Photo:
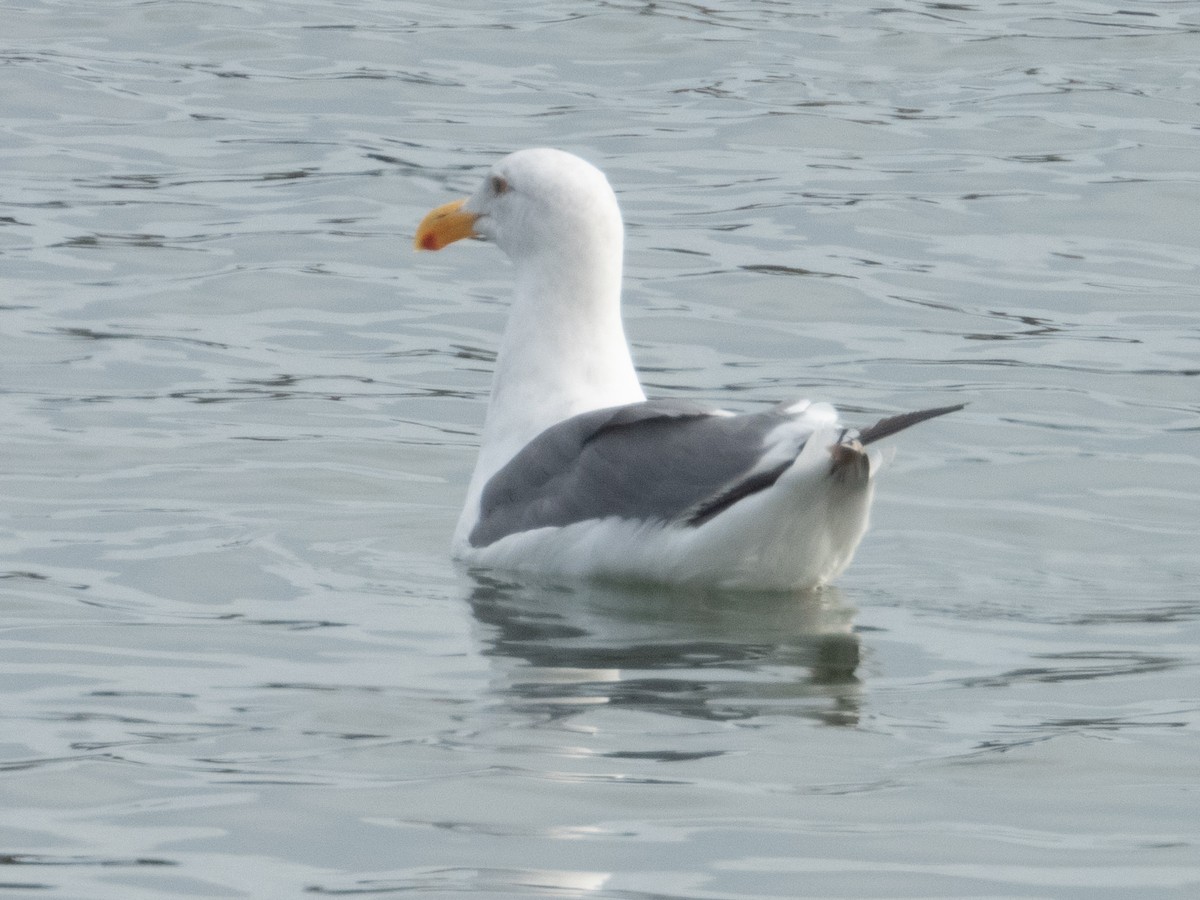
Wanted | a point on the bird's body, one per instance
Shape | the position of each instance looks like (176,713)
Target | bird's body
(578,474)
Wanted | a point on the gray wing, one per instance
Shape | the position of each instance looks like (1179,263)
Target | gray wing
(659,461)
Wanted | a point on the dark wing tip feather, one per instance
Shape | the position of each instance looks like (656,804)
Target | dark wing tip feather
(713,507)
(893,424)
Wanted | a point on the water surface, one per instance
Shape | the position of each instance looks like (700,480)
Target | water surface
(240,416)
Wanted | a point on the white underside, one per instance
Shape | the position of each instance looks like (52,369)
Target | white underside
(796,535)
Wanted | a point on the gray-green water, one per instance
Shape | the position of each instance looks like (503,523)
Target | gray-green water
(239,415)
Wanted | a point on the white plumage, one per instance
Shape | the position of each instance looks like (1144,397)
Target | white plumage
(579,475)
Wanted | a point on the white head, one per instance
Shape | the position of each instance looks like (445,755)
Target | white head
(533,202)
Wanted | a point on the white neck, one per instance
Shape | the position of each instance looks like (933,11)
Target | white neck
(563,352)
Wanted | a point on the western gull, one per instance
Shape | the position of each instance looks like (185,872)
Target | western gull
(580,475)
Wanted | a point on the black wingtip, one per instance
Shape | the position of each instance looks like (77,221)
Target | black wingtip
(889,426)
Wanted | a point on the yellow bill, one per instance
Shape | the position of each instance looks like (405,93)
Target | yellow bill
(445,225)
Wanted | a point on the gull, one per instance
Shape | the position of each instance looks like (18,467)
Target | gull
(580,475)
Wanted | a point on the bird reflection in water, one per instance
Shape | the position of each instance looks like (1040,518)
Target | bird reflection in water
(715,656)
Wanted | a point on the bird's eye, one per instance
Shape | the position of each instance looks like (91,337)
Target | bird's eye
(499,185)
